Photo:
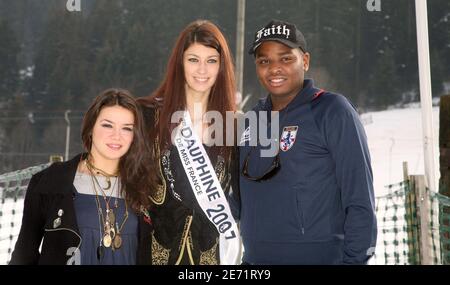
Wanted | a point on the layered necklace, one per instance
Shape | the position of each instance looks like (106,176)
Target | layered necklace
(111,234)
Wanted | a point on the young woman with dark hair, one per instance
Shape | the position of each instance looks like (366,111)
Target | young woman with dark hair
(189,226)
(90,210)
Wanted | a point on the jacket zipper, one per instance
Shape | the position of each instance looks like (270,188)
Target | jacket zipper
(301,215)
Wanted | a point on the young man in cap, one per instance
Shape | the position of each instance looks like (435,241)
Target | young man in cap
(313,202)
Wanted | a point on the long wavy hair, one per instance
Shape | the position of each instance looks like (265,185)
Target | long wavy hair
(135,167)
(172,88)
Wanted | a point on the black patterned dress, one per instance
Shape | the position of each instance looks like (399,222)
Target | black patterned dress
(182,234)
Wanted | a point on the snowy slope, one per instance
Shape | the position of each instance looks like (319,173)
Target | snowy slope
(395,136)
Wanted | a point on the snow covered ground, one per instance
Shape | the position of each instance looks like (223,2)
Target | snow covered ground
(395,136)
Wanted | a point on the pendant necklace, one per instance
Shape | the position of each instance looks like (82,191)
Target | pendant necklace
(111,230)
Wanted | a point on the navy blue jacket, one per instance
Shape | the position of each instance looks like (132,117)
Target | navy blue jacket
(319,207)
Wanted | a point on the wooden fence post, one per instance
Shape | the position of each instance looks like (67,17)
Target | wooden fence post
(444,145)
(411,229)
(444,159)
(423,214)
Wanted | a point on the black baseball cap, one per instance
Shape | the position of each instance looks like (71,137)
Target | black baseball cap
(280,31)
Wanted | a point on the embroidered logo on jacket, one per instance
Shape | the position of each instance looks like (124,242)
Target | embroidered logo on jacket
(288,138)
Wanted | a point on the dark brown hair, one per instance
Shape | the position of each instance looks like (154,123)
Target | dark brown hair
(172,89)
(135,167)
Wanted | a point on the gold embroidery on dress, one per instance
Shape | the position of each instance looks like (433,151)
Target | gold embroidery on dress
(156,117)
(159,196)
(190,248)
(209,257)
(184,237)
(160,254)
(220,169)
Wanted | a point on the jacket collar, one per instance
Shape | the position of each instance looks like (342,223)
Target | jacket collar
(71,166)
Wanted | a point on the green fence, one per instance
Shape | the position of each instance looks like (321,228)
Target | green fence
(397,241)
(413,225)
(442,228)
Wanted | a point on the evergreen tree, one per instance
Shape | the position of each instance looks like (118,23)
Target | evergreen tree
(438,75)
(9,69)
(439,29)
(382,91)
(62,68)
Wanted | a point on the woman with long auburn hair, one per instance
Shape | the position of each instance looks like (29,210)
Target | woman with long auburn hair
(196,201)
(92,209)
